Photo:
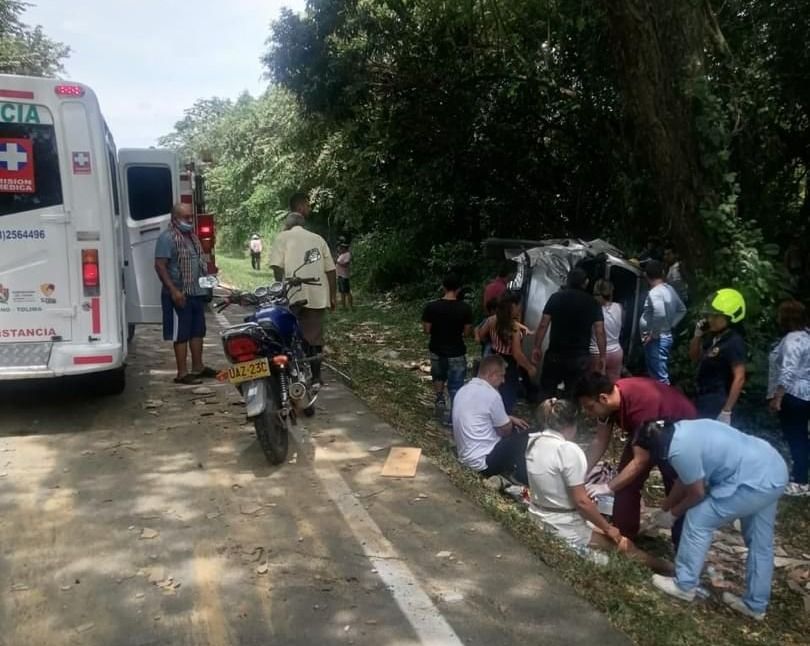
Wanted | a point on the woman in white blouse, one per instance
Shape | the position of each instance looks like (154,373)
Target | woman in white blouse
(557,468)
(789,388)
(613,315)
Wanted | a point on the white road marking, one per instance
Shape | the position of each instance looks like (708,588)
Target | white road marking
(413,601)
(426,620)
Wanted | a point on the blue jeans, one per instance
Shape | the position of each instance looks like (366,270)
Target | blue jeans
(449,370)
(656,354)
(757,513)
(510,388)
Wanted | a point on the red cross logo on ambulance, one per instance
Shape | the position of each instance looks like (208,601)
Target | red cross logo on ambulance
(81,163)
(16,166)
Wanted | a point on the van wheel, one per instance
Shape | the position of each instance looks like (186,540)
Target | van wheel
(112,382)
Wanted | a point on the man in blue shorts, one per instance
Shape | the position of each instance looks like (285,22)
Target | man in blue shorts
(179,263)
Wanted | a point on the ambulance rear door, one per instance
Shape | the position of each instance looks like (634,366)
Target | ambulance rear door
(149,188)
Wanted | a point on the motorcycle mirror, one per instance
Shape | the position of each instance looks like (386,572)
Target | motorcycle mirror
(311,256)
(208,282)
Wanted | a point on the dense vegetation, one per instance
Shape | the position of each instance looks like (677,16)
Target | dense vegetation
(424,127)
(24,49)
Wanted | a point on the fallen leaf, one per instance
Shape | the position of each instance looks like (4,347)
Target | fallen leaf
(444,554)
(156,575)
(85,627)
(202,390)
(149,533)
(19,587)
(262,569)
(250,509)
(780,562)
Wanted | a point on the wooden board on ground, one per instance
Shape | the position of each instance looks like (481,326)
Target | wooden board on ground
(402,462)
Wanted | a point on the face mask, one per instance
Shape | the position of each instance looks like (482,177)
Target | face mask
(185,227)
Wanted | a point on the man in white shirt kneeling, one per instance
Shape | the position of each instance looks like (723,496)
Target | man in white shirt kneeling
(488,440)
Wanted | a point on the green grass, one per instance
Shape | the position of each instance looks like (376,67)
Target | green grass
(236,271)
(381,347)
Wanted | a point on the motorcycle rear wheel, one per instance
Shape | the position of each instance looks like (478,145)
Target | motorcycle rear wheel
(272,433)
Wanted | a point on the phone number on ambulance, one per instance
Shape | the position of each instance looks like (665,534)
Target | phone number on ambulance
(7,235)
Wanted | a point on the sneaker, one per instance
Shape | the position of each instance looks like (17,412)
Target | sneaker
(667,584)
(439,410)
(497,483)
(735,603)
(796,489)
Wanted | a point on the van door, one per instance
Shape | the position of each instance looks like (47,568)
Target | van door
(149,188)
(36,305)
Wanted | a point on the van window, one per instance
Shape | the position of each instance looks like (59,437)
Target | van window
(47,186)
(150,191)
(114,177)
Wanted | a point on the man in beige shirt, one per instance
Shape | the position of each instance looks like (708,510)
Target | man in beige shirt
(286,256)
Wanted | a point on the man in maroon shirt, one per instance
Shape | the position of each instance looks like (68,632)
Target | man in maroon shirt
(495,289)
(629,403)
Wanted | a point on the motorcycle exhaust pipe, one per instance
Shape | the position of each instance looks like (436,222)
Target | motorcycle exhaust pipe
(297,391)
(298,395)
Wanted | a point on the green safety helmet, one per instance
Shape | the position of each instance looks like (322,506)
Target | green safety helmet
(726,302)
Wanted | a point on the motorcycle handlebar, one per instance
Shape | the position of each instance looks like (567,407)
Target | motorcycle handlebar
(295,281)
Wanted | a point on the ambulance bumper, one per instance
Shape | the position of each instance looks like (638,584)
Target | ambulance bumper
(47,359)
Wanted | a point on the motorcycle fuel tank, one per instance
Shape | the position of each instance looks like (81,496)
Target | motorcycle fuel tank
(282,319)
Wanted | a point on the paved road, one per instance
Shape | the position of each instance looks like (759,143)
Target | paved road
(153,518)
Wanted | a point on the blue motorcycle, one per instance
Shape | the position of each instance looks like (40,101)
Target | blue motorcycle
(269,364)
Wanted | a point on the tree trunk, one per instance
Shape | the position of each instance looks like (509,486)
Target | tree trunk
(659,50)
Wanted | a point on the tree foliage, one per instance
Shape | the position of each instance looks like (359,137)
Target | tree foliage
(427,126)
(27,50)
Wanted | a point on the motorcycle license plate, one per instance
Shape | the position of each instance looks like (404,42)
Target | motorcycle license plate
(249,370)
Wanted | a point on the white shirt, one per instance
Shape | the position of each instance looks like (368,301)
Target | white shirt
(477,411)
(288,252)
(612,314)
(663,310)
(553,465)
(789,365)
(678,282)
(256,245)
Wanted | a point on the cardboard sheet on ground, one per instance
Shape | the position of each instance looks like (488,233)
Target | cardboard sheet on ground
(402,462)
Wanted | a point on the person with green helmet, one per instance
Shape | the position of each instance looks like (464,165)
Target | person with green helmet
(718,347)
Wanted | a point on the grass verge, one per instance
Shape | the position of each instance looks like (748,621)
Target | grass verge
(380,346)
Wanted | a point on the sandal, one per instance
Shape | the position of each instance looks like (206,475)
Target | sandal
(206,373)
(188,380)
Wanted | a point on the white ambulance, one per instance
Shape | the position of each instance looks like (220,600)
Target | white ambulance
(78,225)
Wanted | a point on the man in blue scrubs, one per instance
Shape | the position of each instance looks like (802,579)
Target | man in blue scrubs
(723,475)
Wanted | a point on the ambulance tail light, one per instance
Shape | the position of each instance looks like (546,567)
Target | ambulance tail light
(205,226)
(90,272)
(69,90)
(186,199)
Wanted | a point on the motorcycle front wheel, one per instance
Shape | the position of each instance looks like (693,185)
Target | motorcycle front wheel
(271,430)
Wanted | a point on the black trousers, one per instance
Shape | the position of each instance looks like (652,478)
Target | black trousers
(255,260)
(558,368)
(793,418)
(509,457)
